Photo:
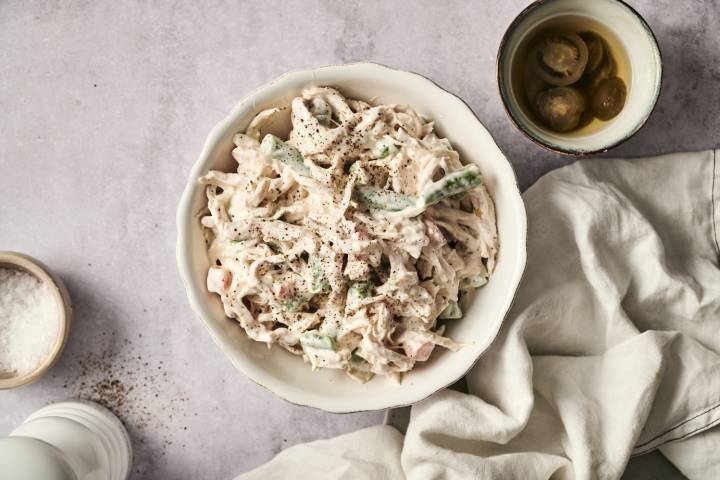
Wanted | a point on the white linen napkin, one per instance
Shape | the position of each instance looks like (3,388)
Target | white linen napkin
(611,349)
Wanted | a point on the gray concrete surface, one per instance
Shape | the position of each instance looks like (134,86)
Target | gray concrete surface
(105,106)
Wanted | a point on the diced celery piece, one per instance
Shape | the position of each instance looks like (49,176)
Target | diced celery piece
(384,147)
(452,311)
(313,339)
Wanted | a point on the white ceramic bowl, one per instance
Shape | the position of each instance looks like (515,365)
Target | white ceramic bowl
(645,72)
(333,390)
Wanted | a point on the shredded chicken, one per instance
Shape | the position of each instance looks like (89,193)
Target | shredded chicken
(351,242)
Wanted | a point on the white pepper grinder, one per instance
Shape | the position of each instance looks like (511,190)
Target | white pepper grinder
(75,440)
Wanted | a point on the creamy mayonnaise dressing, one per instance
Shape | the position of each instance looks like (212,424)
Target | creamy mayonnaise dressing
(348,242)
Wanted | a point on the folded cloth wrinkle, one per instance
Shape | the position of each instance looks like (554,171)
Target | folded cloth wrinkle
(611,348)
(369,454)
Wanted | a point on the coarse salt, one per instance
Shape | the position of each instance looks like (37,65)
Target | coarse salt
(29,321)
